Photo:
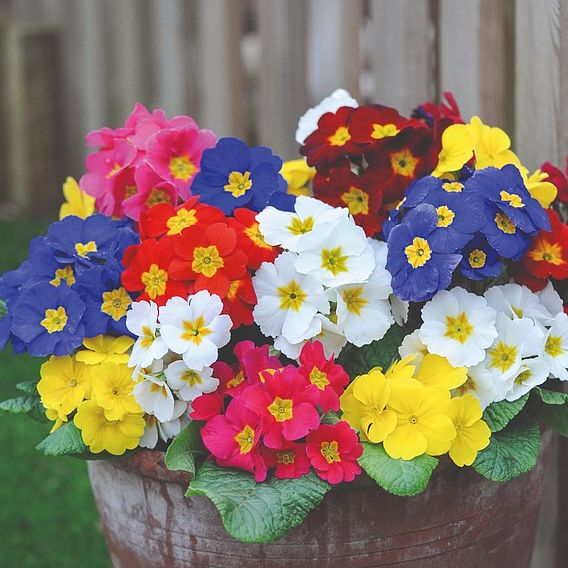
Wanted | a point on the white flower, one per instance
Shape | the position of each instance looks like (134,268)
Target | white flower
(555,347)
(302,228)
(551,300)
(188,383)
(399,309)
(411,345)
(481,384)
(287,300)
(195,328)
(459,326)
(308,123)
(363,310)
(330,336)
(141,320)
(155,397)
(533,372)
(342,257)
(516,301)
(165,430)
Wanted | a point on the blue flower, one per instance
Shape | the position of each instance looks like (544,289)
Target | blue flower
(479,260)
(105,299)
(418,267)
(233,175)
(48,319)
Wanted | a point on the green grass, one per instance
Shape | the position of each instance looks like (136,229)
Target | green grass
(47,512)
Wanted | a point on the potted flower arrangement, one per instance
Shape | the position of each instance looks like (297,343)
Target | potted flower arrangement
(348,353)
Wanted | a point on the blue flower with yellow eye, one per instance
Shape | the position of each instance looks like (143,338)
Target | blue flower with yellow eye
(479,260)
(418,266)
(233,175)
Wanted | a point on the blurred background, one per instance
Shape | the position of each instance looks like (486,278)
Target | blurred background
(246,68)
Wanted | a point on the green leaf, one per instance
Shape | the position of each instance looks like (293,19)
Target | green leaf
(555,416)
(551,397)
(258,512)
(66,440)
(511,452)
(499,414)
(23,405)
(330,417)
(3,308)
(29,387)
(401,477)
(360,360)
(180,454)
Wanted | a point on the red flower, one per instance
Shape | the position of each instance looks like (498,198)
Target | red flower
(207,406)
(558,178)
(362,195)
(240,301)
(166,219)
(286,405)
(521,276)
(250,238)
(445,110)
(333,451)
(548,253)
(148,271)
(209,255)
(331,141)
(233,439)
(290,461)
(329,378)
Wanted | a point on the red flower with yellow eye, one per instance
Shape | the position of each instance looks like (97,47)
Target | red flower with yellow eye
(331,141)
(558,178)
(148,271)
(208,255)
(240,301)
(290,461)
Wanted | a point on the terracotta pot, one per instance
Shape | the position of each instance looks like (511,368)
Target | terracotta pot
(461,520)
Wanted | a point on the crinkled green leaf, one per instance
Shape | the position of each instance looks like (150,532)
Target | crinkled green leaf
(401,477)
(499,414)
(551,397)
(511,452)
(23,405)
(66,440)
(180,455)
(555,416)
(258,512)
(29,387)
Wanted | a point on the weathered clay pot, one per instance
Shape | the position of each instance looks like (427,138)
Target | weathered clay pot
(461,520)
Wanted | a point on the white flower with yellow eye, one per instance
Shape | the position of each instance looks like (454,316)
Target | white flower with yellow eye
(555,347)
(194,328)
(142,321)
(310,222)
(342,257)
(164,430)
(412,345)
(481,384)
(187,383)
(152,393)
(551,300)
(532,372)
(458,325)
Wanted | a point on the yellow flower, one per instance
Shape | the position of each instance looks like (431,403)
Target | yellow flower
(113,390)
(543,191)
(436,371)
(56,417)
(403,369)
(472,433)
(64,384)
(457,149)
(100,433)
(422,423)
(105,349)
(491,145)
(298,175)
(77,202)
(364,406)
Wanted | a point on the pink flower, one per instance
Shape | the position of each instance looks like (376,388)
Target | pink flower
(253,360)
(290,461)
(175,154)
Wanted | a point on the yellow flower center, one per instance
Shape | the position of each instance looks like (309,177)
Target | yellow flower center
(333,260)
(299,227)
(115,303)
(505,224)
(207,260)
(354,300)
(503,356)
(73,382)
(64,274)
(54,320)
(233,289)
(195,331)
(418,253)
(130,191)
(458,327)
(413,419)
(356,200)
(157,196)
(519,312)
(181,167)
(239,183)
(452,186)
(403,163)
(553,346)
(523,377)
(254,234)
(445,216)
(384,131)
(281,409)
(477,258)
(340,137)
(245,440)
(319,378)
(155,281)
(147,337)
(183,219)
(192,378)
(330,451)
(114,171)
(546,251)
(236,380)
(287,457)
(512,199)
(83,249)
(291,296)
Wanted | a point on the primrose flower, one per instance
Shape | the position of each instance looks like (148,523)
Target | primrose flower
(298,175)
(290,461)
(113,390)
(436,371)
(153,393)
(556,347)
(77,202)
(458,325)
(412,346)
(156,430)
(491,145)
(105,349)
(188,383)
(531,373)
(142,321)
(479,260)
(457,149)
(482,385)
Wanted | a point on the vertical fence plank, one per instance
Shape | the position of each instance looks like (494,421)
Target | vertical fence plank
(283,96)
(333,47)
(403,52)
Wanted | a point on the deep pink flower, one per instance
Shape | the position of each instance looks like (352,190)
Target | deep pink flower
(290,461)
